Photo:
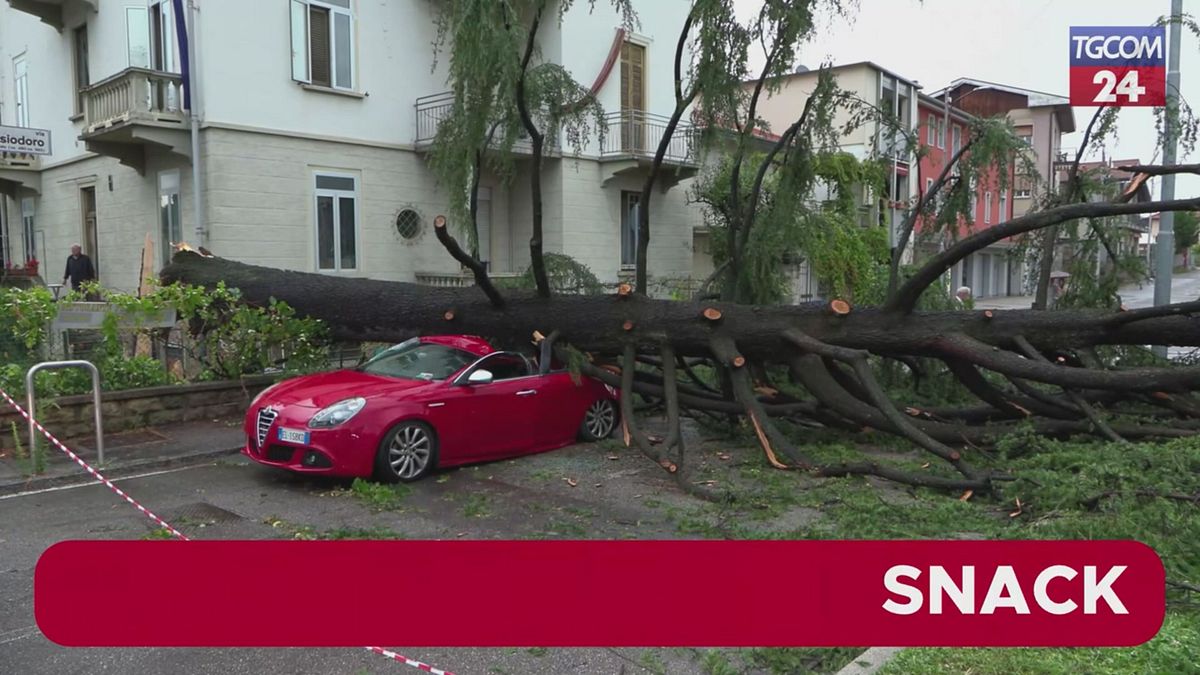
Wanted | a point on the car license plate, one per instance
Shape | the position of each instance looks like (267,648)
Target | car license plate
(293,436)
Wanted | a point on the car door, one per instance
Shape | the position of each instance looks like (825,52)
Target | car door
(492,419)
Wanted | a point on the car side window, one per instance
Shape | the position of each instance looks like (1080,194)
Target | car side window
(505,366)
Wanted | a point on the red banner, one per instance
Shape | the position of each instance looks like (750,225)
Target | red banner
(599,593)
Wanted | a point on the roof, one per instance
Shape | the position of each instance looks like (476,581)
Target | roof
(468,343)
(1033,99)
(846,66)
(1037,99)
(931,102)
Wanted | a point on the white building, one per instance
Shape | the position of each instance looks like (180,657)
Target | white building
(315,119)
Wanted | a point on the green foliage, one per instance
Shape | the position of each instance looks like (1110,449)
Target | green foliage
(1186,230)
(230,338)
(485,42)
(1173,650)
(378,496)
(565,274)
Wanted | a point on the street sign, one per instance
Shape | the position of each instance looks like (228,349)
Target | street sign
(23,141)
(1118,66)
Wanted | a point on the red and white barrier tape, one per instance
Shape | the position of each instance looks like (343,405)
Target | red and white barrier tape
(162,523)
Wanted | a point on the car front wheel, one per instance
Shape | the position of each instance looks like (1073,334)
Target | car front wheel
(599,420)
(408,452)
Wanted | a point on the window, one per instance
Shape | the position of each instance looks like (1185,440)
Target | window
(633,97)
(170,225)
(1026,135)
(337,222)
(974,190)
(931,137)
(956,137)
(1003,207)
(137,36)
(987,206)
(27,232)
(323,43)
(81,66)
(928,185)
(21,81)
(162,38)
(630,205)
(941,136)
(502,366)
(1022,187)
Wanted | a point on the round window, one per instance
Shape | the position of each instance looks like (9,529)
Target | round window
(408,224)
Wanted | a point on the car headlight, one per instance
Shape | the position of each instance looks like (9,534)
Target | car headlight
(336,414)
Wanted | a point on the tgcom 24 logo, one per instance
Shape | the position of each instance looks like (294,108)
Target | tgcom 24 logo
(1118,66)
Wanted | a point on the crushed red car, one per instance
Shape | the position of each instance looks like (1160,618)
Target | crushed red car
(429,402)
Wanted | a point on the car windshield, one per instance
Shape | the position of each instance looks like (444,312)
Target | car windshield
(416,360)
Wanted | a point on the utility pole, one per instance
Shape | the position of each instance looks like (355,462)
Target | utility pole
(1165,243)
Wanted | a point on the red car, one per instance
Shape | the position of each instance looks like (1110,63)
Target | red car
(425,403)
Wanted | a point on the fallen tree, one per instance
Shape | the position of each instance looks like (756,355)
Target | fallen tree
(827,347)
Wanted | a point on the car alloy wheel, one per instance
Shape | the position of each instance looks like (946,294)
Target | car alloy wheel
(409,452)
(600,419)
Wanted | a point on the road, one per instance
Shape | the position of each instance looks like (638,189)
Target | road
(1184,287)
(232,499)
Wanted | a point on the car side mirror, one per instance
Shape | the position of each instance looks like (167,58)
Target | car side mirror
(480,376)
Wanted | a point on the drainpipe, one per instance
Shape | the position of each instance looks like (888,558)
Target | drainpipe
(201,232)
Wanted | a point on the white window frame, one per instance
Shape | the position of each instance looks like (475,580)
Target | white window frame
(177,191)
(956,138)
(931,136)
(1003,206)
(301,56)
(28,223)
(166,34)
(941,135)
(337,222)
(987,207)
(21,89)
(625,196)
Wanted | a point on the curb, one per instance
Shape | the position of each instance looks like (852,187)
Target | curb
(114,471)
(870,661)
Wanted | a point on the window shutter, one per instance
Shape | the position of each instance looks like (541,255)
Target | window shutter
(625,103)
(299,41)
(318,35)
(637,98)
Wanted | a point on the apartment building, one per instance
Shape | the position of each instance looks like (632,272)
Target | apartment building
(996,270)
(874,85)
(315,119)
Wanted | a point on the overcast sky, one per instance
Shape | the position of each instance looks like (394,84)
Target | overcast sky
(1017,42)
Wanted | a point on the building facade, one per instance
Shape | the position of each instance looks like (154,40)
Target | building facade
(996,270)
(315,120)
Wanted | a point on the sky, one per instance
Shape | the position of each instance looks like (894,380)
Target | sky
(1017,42)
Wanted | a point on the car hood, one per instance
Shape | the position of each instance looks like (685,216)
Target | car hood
(324,389)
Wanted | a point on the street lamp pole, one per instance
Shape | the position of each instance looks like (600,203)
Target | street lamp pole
(1165,243)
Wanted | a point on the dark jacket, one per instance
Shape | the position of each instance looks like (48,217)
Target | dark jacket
(79,270)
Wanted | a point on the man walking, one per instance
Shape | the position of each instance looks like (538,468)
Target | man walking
(79,268)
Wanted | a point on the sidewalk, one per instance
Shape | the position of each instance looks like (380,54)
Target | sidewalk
(1185,286)
(124,453)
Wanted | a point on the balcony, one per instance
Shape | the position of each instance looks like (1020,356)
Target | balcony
(631,141)
(51,12)
(432,110)
(461,279)
(136,112)
(19,172)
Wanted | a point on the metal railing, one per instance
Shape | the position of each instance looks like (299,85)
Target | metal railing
(30,400)
(638,133)
(432,110)
(134,95)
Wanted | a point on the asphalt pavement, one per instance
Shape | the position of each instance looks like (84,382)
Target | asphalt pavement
(1185,286)
(234,499)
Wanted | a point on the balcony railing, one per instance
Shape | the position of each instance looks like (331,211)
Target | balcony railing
(637,133)
(134,95)
(431,112)
(457,279)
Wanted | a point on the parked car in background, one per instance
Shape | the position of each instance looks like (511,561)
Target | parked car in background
(428,402)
